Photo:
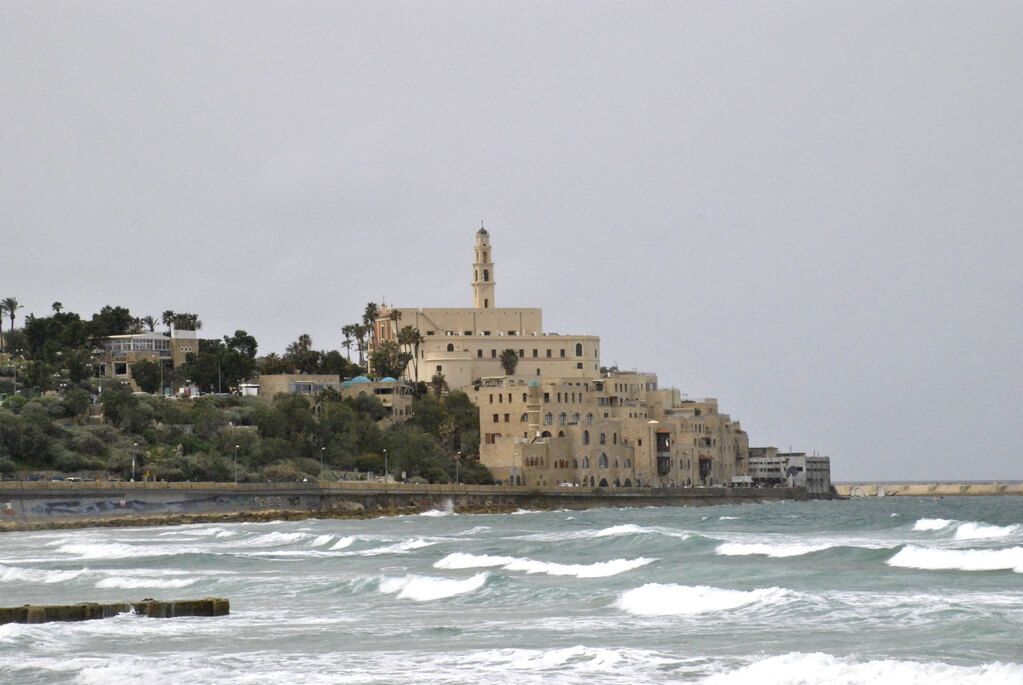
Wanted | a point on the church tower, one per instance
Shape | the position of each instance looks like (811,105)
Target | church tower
(483,272)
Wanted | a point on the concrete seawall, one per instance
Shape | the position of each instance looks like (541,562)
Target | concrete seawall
(40,505)
(928,489)
(89,611)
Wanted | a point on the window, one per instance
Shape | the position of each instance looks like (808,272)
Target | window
(440,369)
(497,418)
(491,399)
(586,437)
(507,418)
(586,462)
(525,397)
(493,354)
(524,418)
(548,419)
(579,350)
(603,460)
(603,439)
(486,276)
(479,354)
(589,419)
(546,397)
(534,353)
(562,352)
(548,353)
(575,463)
(628,463)
(451,347)
(562,418)
(614,438)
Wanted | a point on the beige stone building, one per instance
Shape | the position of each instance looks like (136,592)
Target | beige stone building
(561,418)
(118,353)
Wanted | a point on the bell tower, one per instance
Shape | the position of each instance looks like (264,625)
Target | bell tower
(483,272)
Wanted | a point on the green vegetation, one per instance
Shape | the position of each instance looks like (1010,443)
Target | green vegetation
(57,416)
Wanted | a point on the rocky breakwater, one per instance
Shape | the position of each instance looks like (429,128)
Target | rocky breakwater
(153,608)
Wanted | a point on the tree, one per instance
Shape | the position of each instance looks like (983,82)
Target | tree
(509,360)
(148,375)
(149,322)
(387,359)
(438,384)
(111,321)
(168,318)
(347,344)
(10,306)
(57,306)
(411,338)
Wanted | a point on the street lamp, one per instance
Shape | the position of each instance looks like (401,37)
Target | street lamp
(386,469)
(134,453)
(322,450)
(458,462)
(236,464)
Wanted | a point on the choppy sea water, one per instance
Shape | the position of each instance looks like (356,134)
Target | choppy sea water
(865,591)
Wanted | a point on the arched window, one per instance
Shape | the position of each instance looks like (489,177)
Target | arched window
(591,481)
(586,437)
(586,462)
(603,438)
(575,418)
(578,349)
(628,483)
(486,275)
(614,438)
(524,418)
(451,347)
(562,417)
(603,461)
(603,482)
(628,463)
(561,434)
(589,419)
(575,463)
(617,483)
(548,419)
(545,434)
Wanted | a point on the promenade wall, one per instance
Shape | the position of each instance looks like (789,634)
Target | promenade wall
(32,503)
(927,489)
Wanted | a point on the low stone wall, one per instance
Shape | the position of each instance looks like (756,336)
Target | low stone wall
(928,489)
(37,504)
(153,608)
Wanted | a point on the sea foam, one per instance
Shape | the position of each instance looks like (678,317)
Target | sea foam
(600,569)
(736,549)
(811,669)
(931,559)
(931,524)
(10,574)
(427,588)
(983,531)
(657,599)
(132,583)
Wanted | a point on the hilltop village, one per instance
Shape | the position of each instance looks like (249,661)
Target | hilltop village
(475,394)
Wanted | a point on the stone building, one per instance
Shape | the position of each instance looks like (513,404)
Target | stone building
(117,354)
(560,417)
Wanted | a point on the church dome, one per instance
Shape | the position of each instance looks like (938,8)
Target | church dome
(360,379)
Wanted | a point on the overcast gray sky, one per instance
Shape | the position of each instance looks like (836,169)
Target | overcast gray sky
(809,210)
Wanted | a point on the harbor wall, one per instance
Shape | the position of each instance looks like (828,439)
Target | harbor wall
(927,489)
(32,503)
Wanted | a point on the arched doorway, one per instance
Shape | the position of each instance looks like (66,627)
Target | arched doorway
(603,482)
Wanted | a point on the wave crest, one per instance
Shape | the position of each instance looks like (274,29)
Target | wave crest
(600,569)
(427,588)
(657,599)
(736,549)
(931,559)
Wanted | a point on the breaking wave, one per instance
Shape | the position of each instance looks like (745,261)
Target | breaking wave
(343,542)
(427,588)
(737,549)
(930,559)
(811,669)
(11,574)
(600,569)
(932,524)
(983,531)
(132,583)
(657,599)
(397,548)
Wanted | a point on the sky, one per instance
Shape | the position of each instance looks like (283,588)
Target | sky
(810,211)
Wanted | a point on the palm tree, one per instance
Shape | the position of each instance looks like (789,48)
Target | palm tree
(11,306)
(509,360)
(57,306)
(3,310)
(347,344)
(411,338)
(168,318)
(149,322)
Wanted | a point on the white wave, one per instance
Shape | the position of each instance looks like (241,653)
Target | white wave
(132,583)
(199,532)
(932,524)
(579,658)
(656,599)
(600,569)
(321,540)
(728,518)
(11,574)
(343,542)
(111,550)
(275,539)
(427,588)
(983,531)
(811,669)
(736,549)
(892,515)
(930,559)
(436,512)
(397,548)
(626,529)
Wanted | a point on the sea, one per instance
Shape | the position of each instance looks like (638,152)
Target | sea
(881,590)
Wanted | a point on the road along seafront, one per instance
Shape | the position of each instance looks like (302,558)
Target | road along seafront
(39,505)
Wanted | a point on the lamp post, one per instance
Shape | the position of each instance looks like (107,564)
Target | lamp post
(386,469)
(653,448)
(458,462)
(236,464)
(134,453)
(322,450)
